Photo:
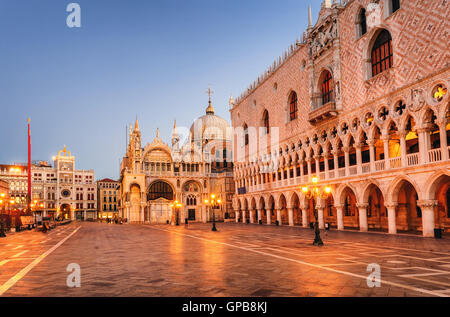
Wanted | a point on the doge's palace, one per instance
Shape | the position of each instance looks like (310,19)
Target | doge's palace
(361,101)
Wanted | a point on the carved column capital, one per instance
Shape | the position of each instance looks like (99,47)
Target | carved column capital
(371,142)
(384,137)
(429,203)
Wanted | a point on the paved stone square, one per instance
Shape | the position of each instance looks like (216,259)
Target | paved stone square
(238,260)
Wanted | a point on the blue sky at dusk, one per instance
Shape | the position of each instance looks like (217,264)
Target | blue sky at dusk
(153,59)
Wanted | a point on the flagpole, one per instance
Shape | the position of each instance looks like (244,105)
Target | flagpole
(29,170)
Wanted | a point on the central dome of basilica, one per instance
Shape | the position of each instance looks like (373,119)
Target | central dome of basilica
(210,127)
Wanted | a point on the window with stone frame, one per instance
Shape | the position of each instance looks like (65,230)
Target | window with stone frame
(293,107)
(245,134)
(266,122)
(362,23)
(382,54)
(394,5)
(327,87)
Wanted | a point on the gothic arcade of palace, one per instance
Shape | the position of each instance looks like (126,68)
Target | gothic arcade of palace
(362,102)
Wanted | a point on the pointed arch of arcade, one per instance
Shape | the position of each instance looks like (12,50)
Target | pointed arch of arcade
(253,215)
(403,194)
(282,207)
(308,206)
(377,215)
(245,210)
(329,211)
(438,190)
(346,197)
(238,209)
(262,207)
(294,203)
(271,214)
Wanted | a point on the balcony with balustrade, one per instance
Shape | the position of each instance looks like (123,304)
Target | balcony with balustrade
(322,109)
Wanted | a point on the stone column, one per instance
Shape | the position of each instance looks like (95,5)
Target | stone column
(385,139)
(259,215)
(391,218)
(236,213)
(279,216)
(301,169)
(358,159)
(371,143)
(336,163)
(291,216)
(308,161)
(320,217)
(346,150)
(424,144)
(340,217)
(428,223)
(402,136)
(244,215)
(205,213)
(362,208)
(268,214)
(142,215)
(304,217)
(325,160)
(316,157)
(182,215)
(252,212)
(443,136)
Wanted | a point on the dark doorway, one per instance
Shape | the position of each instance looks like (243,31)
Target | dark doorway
(191,214)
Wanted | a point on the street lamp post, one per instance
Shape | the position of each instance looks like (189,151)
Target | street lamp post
(177,206)
(36,204)
(314,193)
(2,222)
(213,203)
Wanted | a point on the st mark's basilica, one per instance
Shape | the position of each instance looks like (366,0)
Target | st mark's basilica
(156,176)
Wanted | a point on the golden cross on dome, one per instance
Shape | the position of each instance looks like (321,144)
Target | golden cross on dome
(210,92)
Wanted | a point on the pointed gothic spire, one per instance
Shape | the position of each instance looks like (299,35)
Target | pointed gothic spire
(231,101)
(136,124)
(157,133)
(174,131)
(309,17)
